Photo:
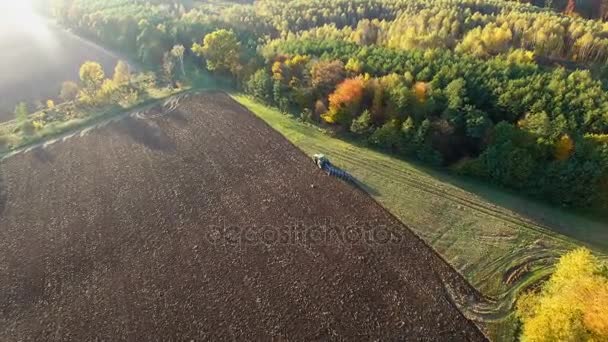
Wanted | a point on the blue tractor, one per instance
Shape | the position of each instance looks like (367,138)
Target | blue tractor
(324,164)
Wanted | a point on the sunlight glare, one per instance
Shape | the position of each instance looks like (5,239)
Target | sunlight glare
(19,11)
(20,16)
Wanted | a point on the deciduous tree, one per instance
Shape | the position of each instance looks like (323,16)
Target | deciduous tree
(564,147)
(344,102)
(221,49)
(178,53)
(122,73)
(91,76)
(571,306)
(326,75)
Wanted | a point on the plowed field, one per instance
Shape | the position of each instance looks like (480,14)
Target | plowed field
(206,224)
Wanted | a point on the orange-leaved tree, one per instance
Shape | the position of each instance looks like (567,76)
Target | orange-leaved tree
(345,101)
(564,148)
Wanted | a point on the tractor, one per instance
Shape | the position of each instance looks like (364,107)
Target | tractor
(324,164)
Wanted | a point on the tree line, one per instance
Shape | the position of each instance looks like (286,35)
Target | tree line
(405,76)
(93,93)
(503,119)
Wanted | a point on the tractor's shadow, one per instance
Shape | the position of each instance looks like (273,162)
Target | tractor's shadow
(371,191)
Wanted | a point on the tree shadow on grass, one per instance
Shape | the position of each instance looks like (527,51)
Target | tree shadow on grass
(589,227)
(146,133)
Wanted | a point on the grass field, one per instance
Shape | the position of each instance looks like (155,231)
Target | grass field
(499,241)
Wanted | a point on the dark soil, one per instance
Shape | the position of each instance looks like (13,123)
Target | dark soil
(205,224)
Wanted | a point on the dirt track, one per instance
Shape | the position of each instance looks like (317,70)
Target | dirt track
(205,224)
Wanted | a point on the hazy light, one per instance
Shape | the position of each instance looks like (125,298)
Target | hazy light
(18,16)
(18,11)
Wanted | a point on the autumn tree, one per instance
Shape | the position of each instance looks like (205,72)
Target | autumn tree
(122,73)
(178,52)
(564,148)
(489,40)
(353,67)
(108,92)
(221,49)
(325,75)
(344,102)
(91,76)
(291,71)
(571,306)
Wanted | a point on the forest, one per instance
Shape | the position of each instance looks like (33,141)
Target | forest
(508,92)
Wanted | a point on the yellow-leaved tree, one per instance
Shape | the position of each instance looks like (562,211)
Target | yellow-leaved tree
(572,305)
(564,148)
(91,76)
(222,51)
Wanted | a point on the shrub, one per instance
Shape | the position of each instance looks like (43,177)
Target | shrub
(388,136)
(259,85)
(21,112)
(363,124)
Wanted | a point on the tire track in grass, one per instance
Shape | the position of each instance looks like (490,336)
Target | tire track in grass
(499,218)
(497,306)
(434,190)
(397,177)
(438,190)
(419,178)
(470,307)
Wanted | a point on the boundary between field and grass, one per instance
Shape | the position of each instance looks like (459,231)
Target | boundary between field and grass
(492,247)
(496,249)
(460,303)
(69,128)
(85,125)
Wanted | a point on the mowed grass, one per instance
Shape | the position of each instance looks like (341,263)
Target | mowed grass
(499,241)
